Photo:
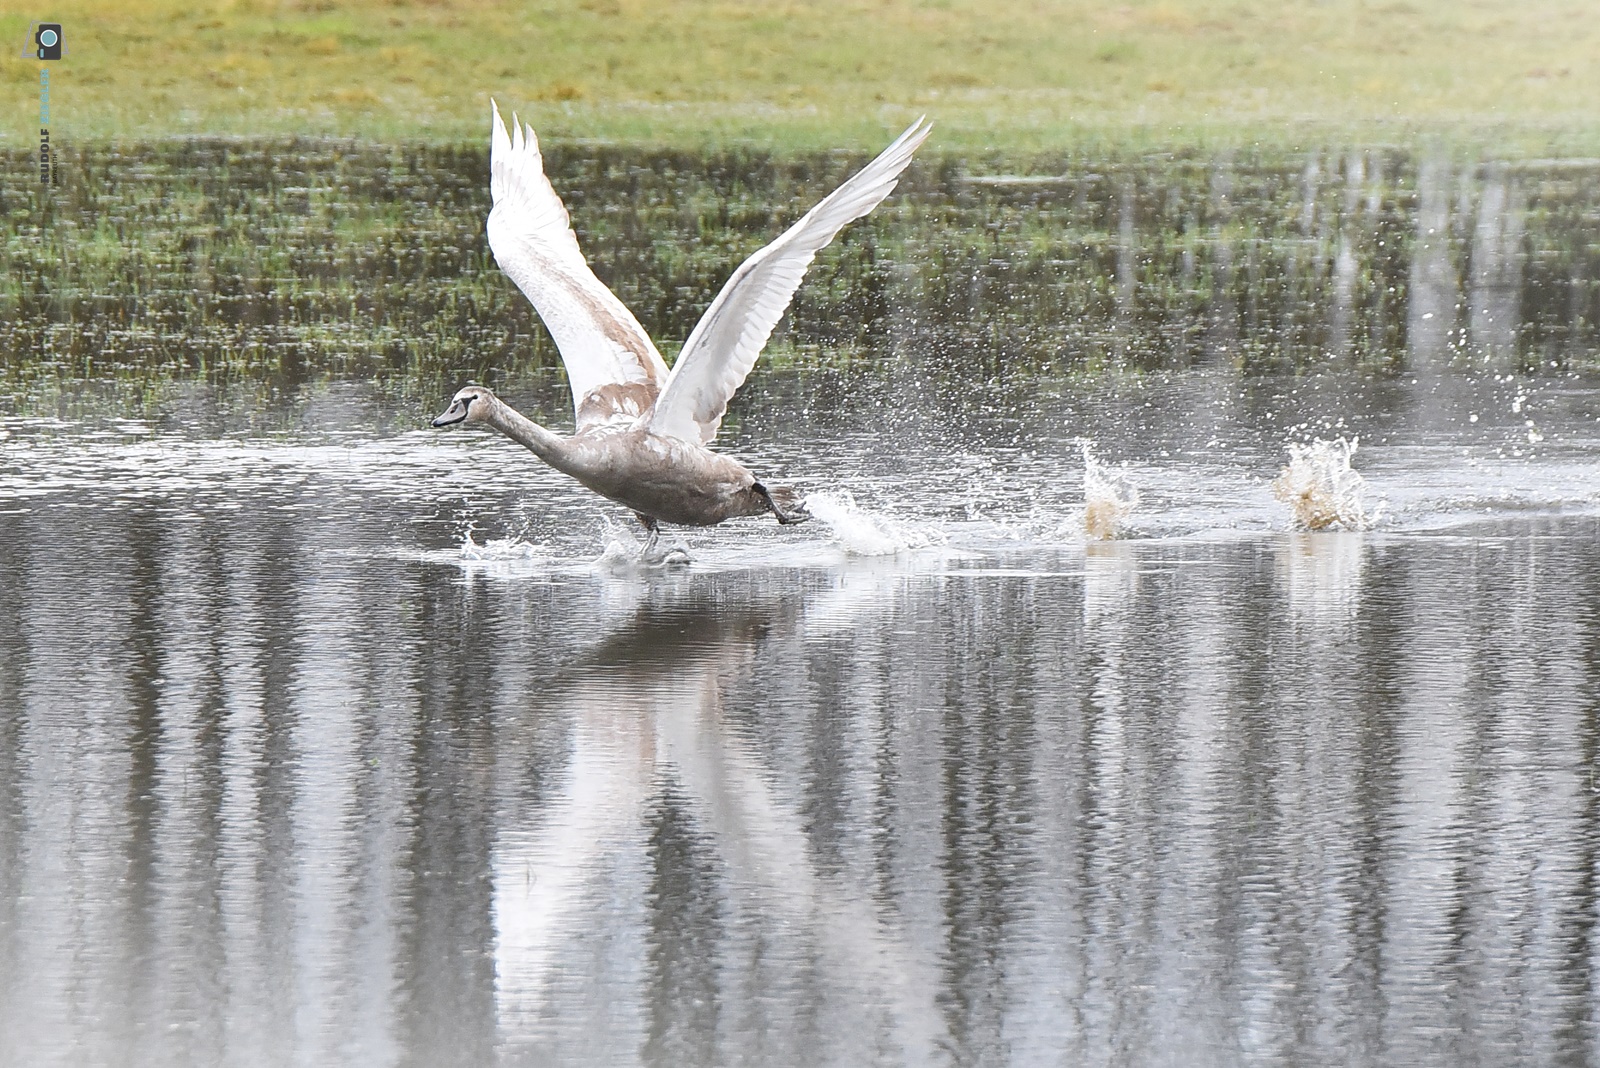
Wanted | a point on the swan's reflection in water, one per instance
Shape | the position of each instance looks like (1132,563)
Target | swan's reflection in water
(664,886)
(1147,802)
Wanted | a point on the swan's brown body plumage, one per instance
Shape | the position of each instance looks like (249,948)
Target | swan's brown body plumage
(666,479)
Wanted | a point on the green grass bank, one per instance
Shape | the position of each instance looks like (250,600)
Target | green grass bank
(1010,76)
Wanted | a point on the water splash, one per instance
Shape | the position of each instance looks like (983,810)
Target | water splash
(861,533)
(629,558)
(1108,497)
(1320,487)
(508,558)
(495,549)
(624,551)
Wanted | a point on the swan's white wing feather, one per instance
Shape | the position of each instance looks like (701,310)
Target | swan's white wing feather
(614,369)
(733,331)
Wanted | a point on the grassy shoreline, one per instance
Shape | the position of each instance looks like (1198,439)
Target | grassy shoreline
(1003,76)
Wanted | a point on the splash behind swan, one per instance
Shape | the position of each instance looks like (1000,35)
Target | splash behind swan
(1321,488)
(642,431)
(1108,497)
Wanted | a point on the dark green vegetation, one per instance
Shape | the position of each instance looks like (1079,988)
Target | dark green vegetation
(292,260)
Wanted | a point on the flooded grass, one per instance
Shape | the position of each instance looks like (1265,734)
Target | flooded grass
(282,261)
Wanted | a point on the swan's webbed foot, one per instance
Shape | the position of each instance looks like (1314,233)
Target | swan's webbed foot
(653,527)
(652,556)
(795,513)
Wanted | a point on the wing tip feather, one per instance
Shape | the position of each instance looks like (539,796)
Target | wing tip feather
(497,132)
(683,405)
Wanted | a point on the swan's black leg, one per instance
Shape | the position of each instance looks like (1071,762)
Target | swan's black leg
(653,527)
(786,518)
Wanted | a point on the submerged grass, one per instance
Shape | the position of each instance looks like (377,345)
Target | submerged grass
(282,261)
(278,190)
(1012,75)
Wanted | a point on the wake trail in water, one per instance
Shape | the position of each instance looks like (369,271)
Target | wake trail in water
(495,549)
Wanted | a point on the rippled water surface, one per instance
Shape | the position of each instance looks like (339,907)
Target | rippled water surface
(328,739)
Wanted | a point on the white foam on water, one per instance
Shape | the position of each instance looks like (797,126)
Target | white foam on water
(495,558)
(624,553)
(628,558)
(1109,497)
(515,557)
(1320,487)
(863,533)
(493,549)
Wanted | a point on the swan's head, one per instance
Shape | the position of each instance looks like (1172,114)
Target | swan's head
(467,406)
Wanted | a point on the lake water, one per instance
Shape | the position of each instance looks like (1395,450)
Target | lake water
(326,738)
(351,742)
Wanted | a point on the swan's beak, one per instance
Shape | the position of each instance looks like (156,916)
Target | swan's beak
(453,414)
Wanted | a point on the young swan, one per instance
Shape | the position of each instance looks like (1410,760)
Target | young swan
(642,431)
(663,479)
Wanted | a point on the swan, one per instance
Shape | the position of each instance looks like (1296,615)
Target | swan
(642,432)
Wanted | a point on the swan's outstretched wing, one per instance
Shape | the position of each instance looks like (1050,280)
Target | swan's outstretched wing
(614,369)
(731,334)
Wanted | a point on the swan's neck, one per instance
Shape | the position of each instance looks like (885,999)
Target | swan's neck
(548,446)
